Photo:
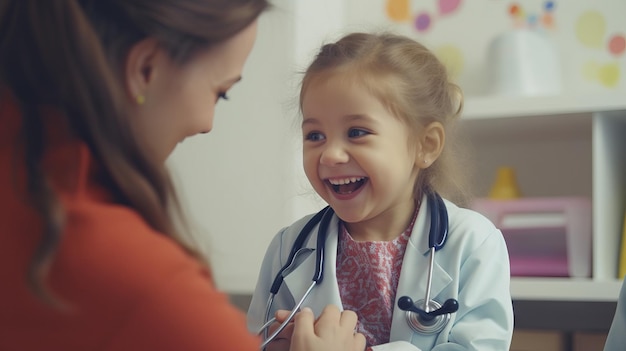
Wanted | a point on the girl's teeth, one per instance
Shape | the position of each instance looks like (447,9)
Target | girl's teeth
(345,181)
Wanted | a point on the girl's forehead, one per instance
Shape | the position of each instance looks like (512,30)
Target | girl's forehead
(355,82)
(338,91)
(340,95)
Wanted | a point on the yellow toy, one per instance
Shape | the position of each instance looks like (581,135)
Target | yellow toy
(505,187)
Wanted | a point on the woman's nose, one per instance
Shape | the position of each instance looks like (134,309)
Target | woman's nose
(333,154)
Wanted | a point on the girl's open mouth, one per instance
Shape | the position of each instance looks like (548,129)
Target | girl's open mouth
(347,185)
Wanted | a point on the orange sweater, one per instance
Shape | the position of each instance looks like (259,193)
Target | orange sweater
(129,287)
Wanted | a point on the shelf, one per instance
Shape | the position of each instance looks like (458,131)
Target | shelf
(564,289)
(559,146)
(497,107)
(530,119)
(531,128)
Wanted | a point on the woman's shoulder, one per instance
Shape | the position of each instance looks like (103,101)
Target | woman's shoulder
(164,298)
(139,287)
(112,248)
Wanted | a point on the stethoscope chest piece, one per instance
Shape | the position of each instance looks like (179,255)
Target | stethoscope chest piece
(423,326)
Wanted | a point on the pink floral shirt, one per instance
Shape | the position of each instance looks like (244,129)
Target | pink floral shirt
(368,274)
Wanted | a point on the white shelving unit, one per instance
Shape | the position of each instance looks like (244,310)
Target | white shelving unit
(565,289)
(559,146)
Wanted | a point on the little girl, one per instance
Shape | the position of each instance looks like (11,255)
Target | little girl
(376,111)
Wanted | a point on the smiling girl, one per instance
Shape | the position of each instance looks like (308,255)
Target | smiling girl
(376,111)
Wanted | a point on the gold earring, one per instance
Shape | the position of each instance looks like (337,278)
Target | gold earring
(140,99)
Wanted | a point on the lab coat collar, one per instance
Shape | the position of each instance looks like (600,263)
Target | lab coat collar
(299,280)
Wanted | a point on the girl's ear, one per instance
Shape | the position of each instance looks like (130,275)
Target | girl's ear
(432,140)
(141,68)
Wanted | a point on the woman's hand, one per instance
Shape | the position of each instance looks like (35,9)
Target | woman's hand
(283,340)
(334,330)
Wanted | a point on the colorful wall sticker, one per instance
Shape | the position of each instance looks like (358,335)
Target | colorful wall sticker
(591,32)
(400,11)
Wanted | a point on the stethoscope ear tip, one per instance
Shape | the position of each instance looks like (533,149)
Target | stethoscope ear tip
(450,306)
(405,303)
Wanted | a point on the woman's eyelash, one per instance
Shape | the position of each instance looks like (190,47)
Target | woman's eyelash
(222,95)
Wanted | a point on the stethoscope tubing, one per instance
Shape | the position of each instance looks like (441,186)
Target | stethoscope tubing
(283,325)
(323,218)
(429,283)
(269,320)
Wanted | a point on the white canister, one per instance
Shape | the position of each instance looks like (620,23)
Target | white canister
(523,62)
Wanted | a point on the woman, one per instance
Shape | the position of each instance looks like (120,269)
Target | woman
(94,97)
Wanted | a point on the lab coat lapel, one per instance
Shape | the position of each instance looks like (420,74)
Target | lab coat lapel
(414,274)
(300,279)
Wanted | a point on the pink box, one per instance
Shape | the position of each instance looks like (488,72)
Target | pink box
(546,237)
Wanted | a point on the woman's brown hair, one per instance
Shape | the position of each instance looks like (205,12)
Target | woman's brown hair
(69,54)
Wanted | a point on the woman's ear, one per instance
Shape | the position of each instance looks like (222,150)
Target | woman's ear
(432,140)
(140,68)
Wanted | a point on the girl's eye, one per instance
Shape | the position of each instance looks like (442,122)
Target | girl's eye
(314,136)
(222,95)
(355,133)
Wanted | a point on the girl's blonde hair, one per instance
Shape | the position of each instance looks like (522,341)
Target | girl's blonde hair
(412,84)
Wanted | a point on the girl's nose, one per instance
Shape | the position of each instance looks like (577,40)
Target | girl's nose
(333,154)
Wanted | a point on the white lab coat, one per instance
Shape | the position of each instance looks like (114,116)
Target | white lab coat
(472,267)
(616,340)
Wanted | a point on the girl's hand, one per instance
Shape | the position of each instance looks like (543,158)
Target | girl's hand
(334,330)
(283,340)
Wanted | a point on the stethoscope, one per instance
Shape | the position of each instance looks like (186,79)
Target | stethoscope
(429,318)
